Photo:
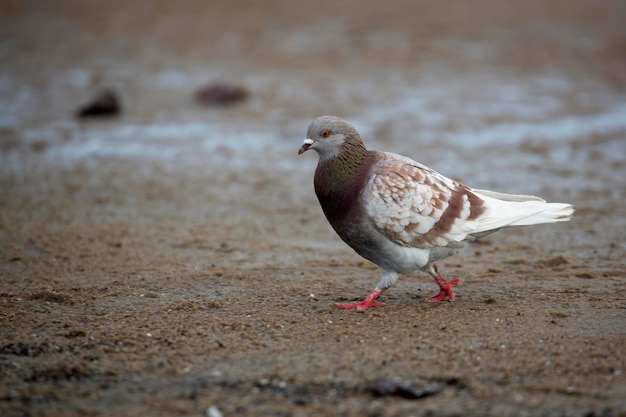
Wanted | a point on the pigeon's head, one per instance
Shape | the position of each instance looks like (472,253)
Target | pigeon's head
(328,134)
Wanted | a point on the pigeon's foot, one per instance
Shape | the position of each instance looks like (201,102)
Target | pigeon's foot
(445,289)
(370,301)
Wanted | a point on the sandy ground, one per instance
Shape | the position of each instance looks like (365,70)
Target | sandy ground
(175,258)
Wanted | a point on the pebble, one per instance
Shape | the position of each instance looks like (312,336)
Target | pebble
(213,411)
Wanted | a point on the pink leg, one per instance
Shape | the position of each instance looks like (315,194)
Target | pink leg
(445,289)
(365,304)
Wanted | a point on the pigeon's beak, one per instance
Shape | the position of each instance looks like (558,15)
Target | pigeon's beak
(305,146)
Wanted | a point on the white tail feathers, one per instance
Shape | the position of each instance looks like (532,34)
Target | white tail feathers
(554,212)
(505,210)
(508,197)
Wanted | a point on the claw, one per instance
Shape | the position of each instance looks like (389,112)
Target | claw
(365,304)
(445,289)
(361,305)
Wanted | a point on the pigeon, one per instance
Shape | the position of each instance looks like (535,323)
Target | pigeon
(402,215)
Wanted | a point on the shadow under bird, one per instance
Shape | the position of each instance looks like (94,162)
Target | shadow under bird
(402,215)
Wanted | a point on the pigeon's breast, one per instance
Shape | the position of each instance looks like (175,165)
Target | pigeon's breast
(339,189)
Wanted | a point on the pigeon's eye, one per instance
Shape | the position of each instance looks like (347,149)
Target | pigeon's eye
(325,133)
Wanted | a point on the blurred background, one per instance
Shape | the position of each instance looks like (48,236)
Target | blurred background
(409,74)
(162,249)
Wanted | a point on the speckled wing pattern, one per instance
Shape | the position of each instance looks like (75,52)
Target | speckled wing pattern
(415,206)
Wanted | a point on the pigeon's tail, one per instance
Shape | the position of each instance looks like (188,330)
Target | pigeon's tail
(505,210)
(554,212)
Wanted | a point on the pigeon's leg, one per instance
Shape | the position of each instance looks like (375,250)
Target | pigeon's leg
(365,304)
(445,287)
(385,282)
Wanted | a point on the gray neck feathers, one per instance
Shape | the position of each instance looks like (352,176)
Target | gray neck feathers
(340,170)
(339,180)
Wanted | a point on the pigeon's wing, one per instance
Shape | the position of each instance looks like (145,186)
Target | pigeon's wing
(416,206)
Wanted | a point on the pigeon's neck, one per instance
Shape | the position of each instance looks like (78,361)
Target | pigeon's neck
(339,180)
(338,171)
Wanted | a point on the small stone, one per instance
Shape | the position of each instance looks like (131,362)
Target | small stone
(213,411)
(220,94)
(553,262)
(105,104)
(402,389)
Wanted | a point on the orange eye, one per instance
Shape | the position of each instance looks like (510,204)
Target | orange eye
(326,133)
